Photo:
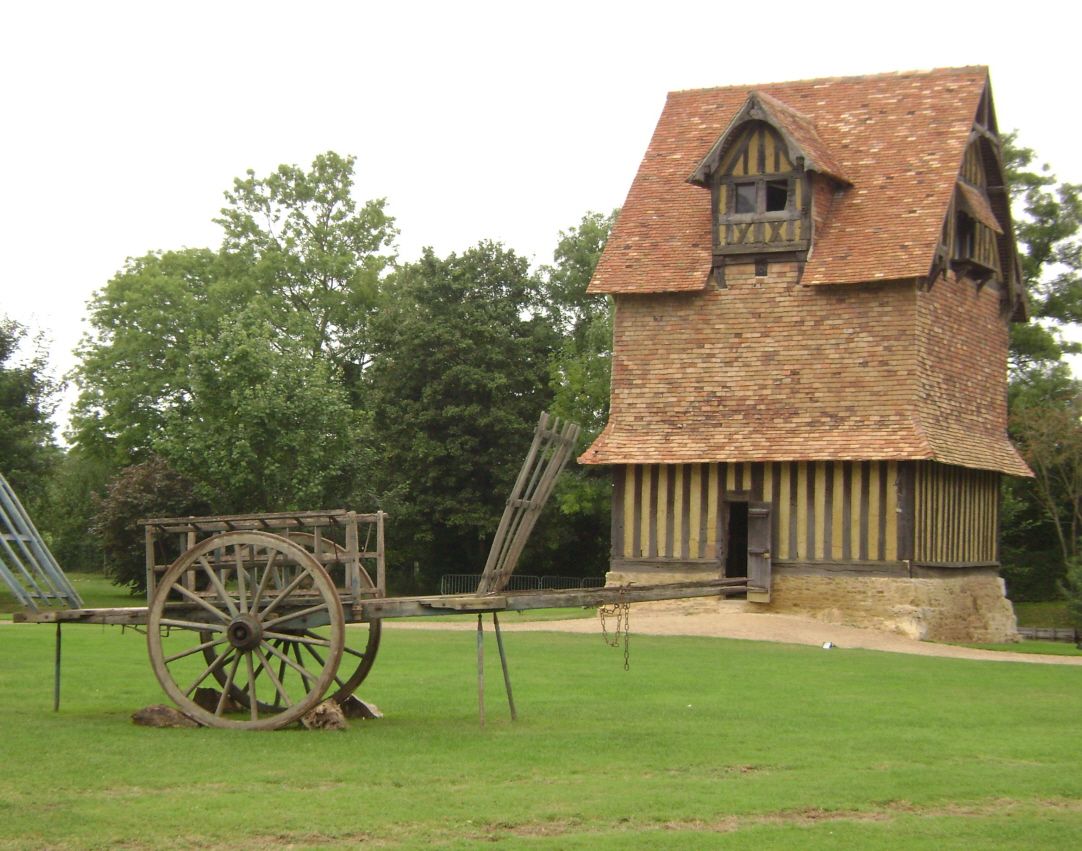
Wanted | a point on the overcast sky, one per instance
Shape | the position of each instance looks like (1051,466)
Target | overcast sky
(123,123)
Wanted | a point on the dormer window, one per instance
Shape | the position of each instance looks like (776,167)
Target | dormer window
(758,176)
(975,242)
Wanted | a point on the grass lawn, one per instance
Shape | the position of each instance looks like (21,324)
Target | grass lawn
(704,743)
(1048,613)
(1047,648)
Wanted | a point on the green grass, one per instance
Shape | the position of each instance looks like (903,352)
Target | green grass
(1047,648)
(704,743)
(1048,613)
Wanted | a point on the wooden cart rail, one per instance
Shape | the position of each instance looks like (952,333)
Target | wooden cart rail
(365,611)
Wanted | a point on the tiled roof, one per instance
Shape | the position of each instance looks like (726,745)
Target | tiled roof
(898,138)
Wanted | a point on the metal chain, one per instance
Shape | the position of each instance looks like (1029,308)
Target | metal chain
(621,609)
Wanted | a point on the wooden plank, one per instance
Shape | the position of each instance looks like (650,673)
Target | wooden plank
(407,607)
(661,491)
(873,551)
(672,542)
(855,515)
(695,512)
(679,528)
(837,512)
(629,510)
(802,509)
(712,513)
(891,531)
(644,510)
(785,547)
(820,509)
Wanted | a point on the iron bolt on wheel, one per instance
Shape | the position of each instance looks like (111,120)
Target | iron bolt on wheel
(256,608)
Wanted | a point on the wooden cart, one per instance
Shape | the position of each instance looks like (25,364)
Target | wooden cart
(252,620)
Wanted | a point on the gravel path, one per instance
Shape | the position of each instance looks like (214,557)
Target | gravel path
(733,623)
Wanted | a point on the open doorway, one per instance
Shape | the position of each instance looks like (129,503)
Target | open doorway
(736,540)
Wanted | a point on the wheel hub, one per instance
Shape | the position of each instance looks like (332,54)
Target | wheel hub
(244,632)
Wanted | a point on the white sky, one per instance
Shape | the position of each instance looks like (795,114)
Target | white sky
(123,123)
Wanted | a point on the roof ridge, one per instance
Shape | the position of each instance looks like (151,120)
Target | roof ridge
(925,72)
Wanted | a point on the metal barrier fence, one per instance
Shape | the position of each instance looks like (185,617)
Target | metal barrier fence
(1040,633)
(466,583)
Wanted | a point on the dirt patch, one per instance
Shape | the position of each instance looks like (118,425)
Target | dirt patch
(731,620)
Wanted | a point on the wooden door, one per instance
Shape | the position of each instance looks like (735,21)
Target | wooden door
(759,559)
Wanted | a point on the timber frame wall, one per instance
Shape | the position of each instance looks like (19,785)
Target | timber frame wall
(875,513)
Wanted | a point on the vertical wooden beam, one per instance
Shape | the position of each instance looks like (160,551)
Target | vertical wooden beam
(891,532)
(503,664)
(837,512)
(712,513)
(480,670)
(785,544)
(629,511)
(802,510)
(856,519)
(661,510)
(820,496)
(679,546)
(56,672)
(695,512)
(873,511)
(645,504)
(616,532)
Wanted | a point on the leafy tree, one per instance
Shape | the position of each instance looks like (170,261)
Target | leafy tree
(133,364)
(268,426)
(459,378)
(580,374)
(1040,531)
(1047,223)
(150,488)
(27,448)
(313,252)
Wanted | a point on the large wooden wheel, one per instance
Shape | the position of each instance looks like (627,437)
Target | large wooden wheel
(258,608)
(359,649)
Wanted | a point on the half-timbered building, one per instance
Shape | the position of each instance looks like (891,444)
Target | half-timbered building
(813,285)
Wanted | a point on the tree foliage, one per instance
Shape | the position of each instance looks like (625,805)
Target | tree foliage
(459,376)
(150,488)
(1039,521)
(312,251)
(27,393)
(267,427)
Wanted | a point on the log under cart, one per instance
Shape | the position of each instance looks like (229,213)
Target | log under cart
(252,620)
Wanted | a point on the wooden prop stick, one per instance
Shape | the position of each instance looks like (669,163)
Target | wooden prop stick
(480,670)
(56,672)
(503,664)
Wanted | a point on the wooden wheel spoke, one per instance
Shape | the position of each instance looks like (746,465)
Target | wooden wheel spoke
(352,652)
(285,592)
(195,598)
(253,702)
(206,645)
(296,666)
(298,639)
(217,583)
(210,669)
(321,607)
(228,686)
(242,591)
(338,681)
(262,586)
(202,627)
(266,665)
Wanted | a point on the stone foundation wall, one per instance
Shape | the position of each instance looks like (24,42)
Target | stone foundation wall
(970,607)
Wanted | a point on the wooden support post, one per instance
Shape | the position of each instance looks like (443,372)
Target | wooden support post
(56,672)
(503,664)
(480,670)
